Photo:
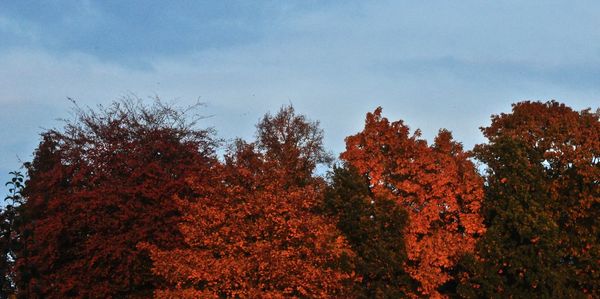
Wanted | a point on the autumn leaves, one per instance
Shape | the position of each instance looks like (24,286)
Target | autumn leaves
(259,233)
(131,201)
(437,185)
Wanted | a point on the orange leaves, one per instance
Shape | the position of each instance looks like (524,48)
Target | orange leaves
(437,185)
(114,187)
(261,243)
(255,232)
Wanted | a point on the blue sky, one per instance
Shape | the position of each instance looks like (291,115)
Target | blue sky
(435,64)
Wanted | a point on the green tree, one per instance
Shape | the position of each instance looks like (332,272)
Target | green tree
(542,205)
(373,228)
(8,233)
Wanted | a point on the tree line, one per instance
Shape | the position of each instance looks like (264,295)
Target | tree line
(132,201)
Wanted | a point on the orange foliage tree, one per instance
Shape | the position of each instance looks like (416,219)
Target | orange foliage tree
(437,185)
(254,229)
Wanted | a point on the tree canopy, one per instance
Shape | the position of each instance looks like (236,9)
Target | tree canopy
(437,186)
(258,233)
(373,227)
(133,201)
(542,204)
(96,189)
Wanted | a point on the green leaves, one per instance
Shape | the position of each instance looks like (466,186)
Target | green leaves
(373,227)
(540,206)
(16,186)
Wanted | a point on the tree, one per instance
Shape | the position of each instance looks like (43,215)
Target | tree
(438,187)
(99,187)
(292,142)
(9,238)
(371,226)
(542,204)
(259,233)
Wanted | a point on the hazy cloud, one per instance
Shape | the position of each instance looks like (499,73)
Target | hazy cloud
(434,64)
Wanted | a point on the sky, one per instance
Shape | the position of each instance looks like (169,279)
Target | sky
(433,64)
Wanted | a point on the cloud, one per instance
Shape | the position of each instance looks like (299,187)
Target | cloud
(433,64)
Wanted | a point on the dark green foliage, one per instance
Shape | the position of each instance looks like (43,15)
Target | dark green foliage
(541,208)
(373,228)
(522,248)
(8,234)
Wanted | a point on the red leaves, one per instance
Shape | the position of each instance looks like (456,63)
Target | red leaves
(122,204)
(97,189)
(437,185)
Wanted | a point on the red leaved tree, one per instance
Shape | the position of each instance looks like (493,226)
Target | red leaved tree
(95,190)
(258,233)
(437,185)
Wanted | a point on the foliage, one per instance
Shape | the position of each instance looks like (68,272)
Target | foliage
(294,143)
(130,201)
(15,188)
(372,227)
(99,187)
(8,233)
(438,187)
(258,234)
(542,205)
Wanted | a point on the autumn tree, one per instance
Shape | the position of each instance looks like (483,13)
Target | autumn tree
(373,229)
(255,230)
(437,185)
(542,204)
(97,188)
(293,143)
